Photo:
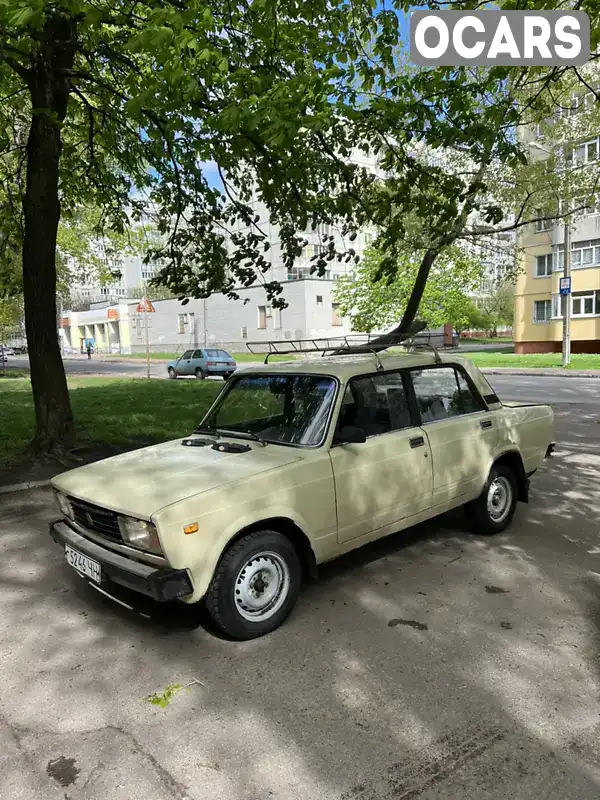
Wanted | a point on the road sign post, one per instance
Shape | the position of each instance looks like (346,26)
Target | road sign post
(146,307)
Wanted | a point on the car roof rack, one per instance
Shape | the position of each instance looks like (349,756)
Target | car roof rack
(351,344)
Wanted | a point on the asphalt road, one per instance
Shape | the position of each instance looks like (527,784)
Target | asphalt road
(508,387)
(433,666)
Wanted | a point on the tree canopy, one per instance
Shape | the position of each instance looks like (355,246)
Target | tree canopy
(376,305)
(121,103)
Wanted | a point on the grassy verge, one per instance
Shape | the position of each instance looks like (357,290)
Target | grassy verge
(536,361)
(114,413)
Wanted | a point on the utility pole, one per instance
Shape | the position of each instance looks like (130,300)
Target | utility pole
(566,337)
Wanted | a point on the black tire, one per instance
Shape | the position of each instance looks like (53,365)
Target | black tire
(227,375)
(172,373)
(246,560)
(480,516)
(200,374)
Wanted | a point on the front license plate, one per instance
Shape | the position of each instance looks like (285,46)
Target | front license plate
(83,564)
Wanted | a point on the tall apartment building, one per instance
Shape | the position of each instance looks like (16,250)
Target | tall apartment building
(538,303)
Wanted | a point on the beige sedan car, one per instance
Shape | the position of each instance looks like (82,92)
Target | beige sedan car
(293,465)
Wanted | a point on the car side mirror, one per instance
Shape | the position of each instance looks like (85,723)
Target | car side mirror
(350,434)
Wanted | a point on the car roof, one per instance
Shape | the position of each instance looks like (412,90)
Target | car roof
(346,367)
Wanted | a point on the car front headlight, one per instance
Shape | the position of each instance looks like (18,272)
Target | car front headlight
(139,533)
(63,504)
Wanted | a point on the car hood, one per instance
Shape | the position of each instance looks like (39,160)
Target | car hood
(141,482)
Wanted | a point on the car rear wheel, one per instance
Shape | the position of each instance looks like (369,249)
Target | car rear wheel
(200,374)
(255,586)
(494,509)
(172,373)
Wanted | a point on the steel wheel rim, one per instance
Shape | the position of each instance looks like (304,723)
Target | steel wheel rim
(499,498)
(262,586)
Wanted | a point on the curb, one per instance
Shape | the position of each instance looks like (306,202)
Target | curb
(21,487)
(536,373)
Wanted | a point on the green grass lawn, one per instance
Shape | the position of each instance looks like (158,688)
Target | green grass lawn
(117,413)
(540,360)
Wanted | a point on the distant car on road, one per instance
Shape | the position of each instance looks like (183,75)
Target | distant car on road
(6,351)
(202,363)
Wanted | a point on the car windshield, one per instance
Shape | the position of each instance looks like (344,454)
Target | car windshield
(285,409)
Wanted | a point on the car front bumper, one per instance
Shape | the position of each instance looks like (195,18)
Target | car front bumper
(161,584)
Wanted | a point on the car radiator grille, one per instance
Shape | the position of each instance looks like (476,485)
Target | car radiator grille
(94,518)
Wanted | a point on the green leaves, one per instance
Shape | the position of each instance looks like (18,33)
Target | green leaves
(375,296)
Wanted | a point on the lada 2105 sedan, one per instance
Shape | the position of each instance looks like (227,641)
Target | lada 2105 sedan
(293,465)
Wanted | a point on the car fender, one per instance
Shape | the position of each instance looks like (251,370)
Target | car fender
(201,552)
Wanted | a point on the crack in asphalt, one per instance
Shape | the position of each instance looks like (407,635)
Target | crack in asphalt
(176,789)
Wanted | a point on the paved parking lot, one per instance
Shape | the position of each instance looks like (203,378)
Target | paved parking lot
(432,665)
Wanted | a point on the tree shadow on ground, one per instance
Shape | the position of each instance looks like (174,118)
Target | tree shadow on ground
(493,694)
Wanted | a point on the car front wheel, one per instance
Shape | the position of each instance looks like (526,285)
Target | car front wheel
(255,586)
(172,373)
(494,509)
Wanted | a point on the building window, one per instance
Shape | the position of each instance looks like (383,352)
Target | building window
(181,320)
(543,265)
(319,299)
(542,224)
(585,304)
(558,305)
(542,310)
(244,332)
(262,318)
(276,319)
(583,254)
(584,153)
(336,320)
(312,250)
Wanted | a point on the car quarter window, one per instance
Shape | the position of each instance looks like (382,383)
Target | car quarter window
(443,392)
(187,354)
(198,354)
(376,404)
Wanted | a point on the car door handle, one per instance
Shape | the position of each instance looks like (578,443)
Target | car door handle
(486,423)
(418,441)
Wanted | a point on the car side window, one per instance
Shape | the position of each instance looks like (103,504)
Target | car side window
(197,354)
(187,354)
(472,401)
(376,404)
(442,393)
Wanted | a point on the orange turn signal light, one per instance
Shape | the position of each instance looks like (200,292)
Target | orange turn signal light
(193,528)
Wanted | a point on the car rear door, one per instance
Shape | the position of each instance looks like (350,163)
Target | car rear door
(198,361)
(389,476)
(462,433)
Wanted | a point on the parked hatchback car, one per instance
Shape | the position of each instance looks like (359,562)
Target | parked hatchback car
(293,465)
(202,363)
(6,351)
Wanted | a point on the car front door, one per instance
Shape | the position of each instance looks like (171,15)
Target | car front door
(183,366)
(389,476)
(461,431)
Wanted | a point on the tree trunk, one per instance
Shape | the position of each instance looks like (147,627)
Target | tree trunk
(49,88)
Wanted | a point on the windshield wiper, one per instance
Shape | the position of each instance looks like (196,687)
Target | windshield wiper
(242,435)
